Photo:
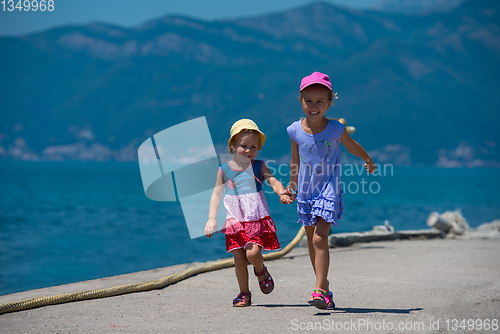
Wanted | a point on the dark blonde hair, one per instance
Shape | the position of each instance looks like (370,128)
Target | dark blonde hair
(237,137)
(331,94)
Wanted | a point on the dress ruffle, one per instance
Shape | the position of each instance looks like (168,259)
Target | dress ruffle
(329,210)
(252,229)
(268,241)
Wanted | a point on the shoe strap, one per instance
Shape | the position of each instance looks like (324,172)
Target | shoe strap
(322,293)
(261,273)
(243,294)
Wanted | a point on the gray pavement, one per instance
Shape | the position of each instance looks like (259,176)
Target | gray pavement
(402,286)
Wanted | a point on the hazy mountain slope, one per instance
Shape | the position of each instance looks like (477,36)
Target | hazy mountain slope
(416,7)
(427,82)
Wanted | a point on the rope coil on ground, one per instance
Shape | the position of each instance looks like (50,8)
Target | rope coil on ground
(138,287)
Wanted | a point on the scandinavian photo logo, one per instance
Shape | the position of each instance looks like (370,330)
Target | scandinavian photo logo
(180,164)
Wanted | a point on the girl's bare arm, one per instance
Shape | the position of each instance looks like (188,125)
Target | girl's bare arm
(276,185)
(355,148)
(294,166)
(211,225)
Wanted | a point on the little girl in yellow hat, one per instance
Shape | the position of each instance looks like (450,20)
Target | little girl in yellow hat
(248,226)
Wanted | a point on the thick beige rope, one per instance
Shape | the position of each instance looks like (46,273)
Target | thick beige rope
(138,287)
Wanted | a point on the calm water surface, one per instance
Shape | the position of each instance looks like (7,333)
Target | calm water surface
(63,222)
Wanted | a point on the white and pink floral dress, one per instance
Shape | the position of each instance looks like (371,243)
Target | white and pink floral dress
(247,214)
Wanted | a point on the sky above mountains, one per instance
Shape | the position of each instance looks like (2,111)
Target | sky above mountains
(128,13)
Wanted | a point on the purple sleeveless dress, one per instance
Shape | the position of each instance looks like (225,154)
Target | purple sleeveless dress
(319,192)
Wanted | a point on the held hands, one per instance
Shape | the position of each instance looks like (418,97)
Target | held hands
(211,227)
(287,197)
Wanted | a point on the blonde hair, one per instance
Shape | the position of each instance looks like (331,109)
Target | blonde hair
(237,137)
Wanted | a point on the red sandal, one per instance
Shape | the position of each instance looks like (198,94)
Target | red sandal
(243,299)
(267,285)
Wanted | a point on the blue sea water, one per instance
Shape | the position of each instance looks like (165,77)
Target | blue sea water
(63,222)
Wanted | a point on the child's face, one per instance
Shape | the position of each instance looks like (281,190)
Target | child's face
(246,147)
(315,101)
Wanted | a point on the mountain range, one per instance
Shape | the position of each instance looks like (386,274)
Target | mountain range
(420,89)
(415,7)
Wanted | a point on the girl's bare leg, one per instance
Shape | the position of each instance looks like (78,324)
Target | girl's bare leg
(240,267)
(321,253)
(254,255)
(312,254)
(310,234)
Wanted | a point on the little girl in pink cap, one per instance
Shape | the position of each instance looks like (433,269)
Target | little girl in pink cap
(315,175)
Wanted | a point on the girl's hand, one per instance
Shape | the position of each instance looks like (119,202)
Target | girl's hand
(287,198)
(211,227)
(370,166)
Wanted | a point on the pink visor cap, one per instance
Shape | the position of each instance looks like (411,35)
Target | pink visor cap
(316,78)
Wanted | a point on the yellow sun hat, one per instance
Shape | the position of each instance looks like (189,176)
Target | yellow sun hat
(246,124)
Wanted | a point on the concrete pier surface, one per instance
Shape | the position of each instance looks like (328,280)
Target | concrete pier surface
(400,286)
